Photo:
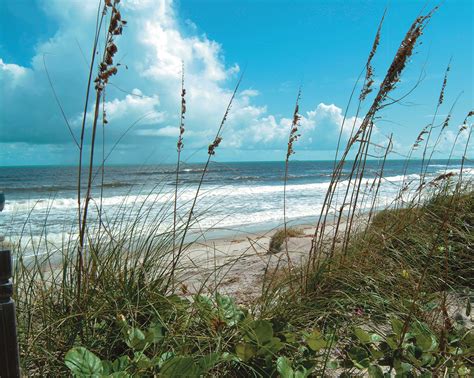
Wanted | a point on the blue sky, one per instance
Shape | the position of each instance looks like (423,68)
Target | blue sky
(321,45)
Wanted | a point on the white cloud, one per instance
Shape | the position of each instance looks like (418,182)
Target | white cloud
(153,48)
(167,131)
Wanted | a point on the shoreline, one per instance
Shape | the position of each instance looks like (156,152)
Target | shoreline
(235,262)
(237,265)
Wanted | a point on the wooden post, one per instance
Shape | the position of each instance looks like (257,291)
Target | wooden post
(9,356)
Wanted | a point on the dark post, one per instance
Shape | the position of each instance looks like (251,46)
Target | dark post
(9,357)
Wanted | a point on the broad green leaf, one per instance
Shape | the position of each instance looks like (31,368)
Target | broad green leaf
(160,361)
(83,362)
(284,367)
(231,313)
(154,333)
(463,371)
(135,339)
(204,303)
(260,331)
(397,326)
(427,359)
(375,338)
(402,368)
(271,347)
(362,335)
(376,354)
(302,373)
(426,341)
(290,337)
(390,340)
(316,341)
(208,362)
(180,366)
(120,364)
(375,371)
(357,354)
(245,351)
(142,361)
(107,367)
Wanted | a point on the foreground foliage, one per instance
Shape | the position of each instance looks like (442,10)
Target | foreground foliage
(382,319)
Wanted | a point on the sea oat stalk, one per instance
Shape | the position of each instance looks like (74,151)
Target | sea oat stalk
(292,138)
(179,148)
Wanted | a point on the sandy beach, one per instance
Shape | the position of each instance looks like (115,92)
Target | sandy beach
(237,265)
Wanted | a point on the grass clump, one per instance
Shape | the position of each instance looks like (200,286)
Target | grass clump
(278,238)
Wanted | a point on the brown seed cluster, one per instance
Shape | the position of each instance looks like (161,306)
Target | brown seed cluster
(294,135)
(404,52)
(369,73)
(446,122)
(464,124)
(420,138)
(443,87)
(214,145)
(107,67)
(180,144)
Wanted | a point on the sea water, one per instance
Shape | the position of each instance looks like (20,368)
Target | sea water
(41,202)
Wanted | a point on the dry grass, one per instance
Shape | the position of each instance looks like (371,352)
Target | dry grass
(278,238)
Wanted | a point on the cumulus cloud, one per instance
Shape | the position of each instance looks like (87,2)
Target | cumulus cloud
(146,88)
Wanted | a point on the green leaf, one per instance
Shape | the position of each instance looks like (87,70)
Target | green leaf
(375,371)
(107,367)
(316,341)
(302,373)
(142,361)
(359,357)
(390,340)
(284,368)
(362,335)
(426,341)
(427,359)
(121,364)
(83,362)
(375,338)
(180,366)
(203,303)
(160,361)
(135,339)
(231,313)
(290,337)
(376,354)
(397,326)
(463,371)
(208,362)
(245,351)
(271,347)
(402,368)
(154,333)
(260,331)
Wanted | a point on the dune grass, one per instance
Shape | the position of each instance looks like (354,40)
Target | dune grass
(279,237)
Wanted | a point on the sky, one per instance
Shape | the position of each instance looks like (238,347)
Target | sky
(278,46)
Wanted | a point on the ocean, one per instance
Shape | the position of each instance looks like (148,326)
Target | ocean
(41,202)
